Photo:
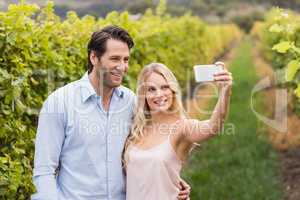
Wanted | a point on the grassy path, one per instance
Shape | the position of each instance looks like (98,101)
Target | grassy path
(237,165)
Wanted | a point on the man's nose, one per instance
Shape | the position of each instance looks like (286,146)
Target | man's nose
(122,67)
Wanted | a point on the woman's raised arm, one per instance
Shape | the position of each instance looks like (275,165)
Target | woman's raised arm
(195,131)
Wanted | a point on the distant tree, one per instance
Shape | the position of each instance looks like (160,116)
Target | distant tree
(246,22)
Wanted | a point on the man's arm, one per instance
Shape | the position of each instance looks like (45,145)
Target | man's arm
(49,140)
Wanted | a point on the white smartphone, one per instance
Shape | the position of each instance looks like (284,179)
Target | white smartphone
(205,73)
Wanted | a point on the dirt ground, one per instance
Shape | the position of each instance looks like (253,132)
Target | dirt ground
(290,168)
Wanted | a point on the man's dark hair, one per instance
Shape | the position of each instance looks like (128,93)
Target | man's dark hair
(98,41)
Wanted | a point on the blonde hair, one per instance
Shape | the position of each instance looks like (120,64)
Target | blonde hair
(142,112)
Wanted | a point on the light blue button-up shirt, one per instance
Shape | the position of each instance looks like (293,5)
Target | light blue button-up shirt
(79,145)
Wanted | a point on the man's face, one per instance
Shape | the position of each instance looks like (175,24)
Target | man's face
(113,64)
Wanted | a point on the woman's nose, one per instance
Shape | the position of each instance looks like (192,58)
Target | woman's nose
(159,93)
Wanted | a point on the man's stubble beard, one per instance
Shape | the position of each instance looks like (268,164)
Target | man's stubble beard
(103,79)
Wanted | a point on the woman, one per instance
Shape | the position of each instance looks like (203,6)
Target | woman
(162,136)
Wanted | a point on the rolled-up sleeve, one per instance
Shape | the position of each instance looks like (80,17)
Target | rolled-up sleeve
(48,144)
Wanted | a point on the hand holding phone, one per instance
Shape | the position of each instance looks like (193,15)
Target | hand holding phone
(204,73)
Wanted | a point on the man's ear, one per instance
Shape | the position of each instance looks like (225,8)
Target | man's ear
(94,58)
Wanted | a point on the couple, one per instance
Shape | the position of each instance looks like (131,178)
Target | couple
(96,140)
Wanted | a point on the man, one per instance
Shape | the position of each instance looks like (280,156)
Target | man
(83,126)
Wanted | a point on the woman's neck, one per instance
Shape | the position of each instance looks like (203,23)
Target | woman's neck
(162,117)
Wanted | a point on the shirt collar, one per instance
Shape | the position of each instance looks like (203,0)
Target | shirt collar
(87,90)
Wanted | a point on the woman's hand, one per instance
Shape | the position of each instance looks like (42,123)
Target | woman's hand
(223,79)
(185,190)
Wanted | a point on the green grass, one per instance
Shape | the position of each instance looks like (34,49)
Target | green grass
(239,166)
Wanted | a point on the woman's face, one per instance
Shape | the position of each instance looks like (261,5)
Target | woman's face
(159,95)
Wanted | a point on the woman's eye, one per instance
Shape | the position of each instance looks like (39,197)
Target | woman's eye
(151,89)
(165,87)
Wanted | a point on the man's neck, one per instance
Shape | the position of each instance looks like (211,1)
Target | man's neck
(101,90)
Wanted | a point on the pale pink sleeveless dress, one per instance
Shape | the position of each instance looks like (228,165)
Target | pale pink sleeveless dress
(152,174)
